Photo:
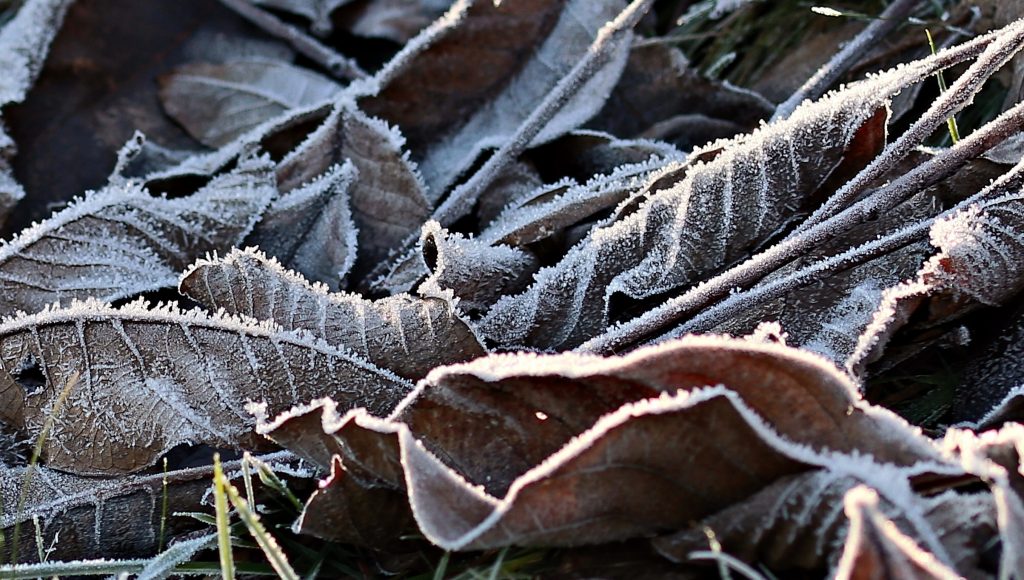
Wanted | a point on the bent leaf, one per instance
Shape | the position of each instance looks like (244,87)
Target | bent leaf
(121,241)
(598,431)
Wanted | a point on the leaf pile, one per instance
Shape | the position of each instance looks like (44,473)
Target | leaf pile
(533,281)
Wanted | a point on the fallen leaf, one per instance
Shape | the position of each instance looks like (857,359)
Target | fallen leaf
(121,241)
(217,103)
(468,81)
(407,335)
(150,379)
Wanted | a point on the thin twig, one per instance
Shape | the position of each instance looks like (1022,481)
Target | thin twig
(657,320)
(763,293)
(461,201)
(847,57)
(959,95)
(339,66)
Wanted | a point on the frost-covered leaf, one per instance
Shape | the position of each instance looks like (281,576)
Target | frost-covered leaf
(829,317)
(471,270)
(407,335)
(796,524)
(310,229)
(387,200)
(150,379)
(995,456)
(979,263)
(532,431)
(714,214)
(93,94)
(216,103)
(121,240)
(876,549)
(119,517)
(468,81)
(24,42)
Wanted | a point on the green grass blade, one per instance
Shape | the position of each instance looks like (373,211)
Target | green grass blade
(44,434)
(227,560)
(442,566)
(954,131)
(277,558)
(163,511)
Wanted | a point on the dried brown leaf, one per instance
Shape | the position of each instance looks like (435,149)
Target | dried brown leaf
(468,81)
(150,379)
(217,103)
(121,241)
(407,335)
(484,449)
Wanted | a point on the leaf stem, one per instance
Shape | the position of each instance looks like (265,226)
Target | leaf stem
(339,66)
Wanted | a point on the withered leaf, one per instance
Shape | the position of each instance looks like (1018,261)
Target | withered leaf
(121,240)
(118,517)
(150,379)
(529,429)
(217,103)
(713,215)
(796,524)
(468,81)
(93,94)
(877,549)
(407,335)
(387,200)
(661,96)
(311,230)
(829,317)
(470,270)
(951,283)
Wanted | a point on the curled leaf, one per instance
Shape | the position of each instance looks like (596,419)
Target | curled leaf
(713,214)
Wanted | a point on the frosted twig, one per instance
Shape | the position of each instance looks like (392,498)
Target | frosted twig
(339,66)
(760,294)
(960,94)
(656,320)
(847,57)
(763,293)
(597,56)
(461,200)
